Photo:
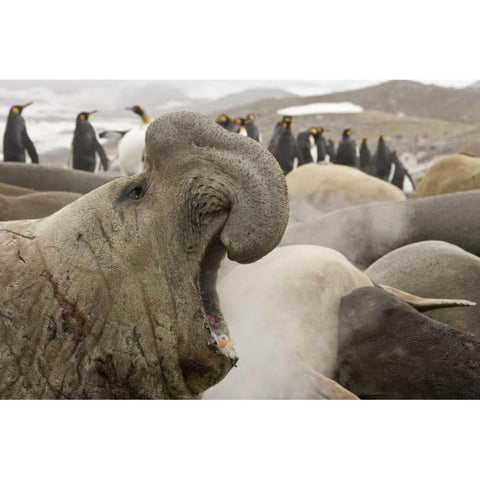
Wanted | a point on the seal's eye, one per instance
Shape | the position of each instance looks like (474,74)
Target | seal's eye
(133,192)
(136,193)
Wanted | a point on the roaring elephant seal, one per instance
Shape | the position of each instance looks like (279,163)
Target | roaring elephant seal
(114,296)
(13,190)
(283,313)
(435,269)
(367,232)
(331,186)
(453,173)
(34,205)
(389,350)
(50,179)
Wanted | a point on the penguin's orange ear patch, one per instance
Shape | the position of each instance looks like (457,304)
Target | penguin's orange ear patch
(82,117)
(238,121)
(15,110)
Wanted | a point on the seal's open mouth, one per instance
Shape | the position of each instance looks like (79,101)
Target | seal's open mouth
(207,287)
(206,353)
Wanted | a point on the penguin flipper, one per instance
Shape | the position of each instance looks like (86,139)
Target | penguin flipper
(112,133)
(103,156)
(30,147)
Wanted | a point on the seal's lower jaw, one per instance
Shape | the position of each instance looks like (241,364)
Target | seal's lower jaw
(211,362)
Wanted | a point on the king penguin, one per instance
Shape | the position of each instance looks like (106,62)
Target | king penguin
(239,126)
(347,150)
(132,144)
(224,121)
(366,161)
(283,145)
(246,127)
(331,150)
(252,129)
(307,146)
(401,178)
(321,145)
(382,160)
(16,139)
(85,145)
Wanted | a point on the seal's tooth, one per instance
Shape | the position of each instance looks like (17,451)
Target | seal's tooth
(226,343)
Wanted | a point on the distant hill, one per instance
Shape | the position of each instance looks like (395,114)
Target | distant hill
(242,98)
(413,99)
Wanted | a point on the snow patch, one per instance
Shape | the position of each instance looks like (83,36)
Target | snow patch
(316,108)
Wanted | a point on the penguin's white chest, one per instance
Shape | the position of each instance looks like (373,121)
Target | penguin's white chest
(313,148)
(130,150)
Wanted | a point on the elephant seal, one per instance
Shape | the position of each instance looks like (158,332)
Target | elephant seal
(50,179)
(435,269)
(331,186)
(365,233)
(389,350)
(302,211)
(453,173)
(283,313)
(114,295)
(34,205)
(13,190)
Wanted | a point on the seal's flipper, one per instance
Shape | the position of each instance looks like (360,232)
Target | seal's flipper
(423,304)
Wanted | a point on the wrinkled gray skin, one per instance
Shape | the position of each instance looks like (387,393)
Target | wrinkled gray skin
(50,179)
(389,350)
(34,205)
(367,232)
(300,212)
(435,269)
(113,296)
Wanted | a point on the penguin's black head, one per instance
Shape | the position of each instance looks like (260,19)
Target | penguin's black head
(381,138)
(314,131)
(365,140)
(137,109)
(17,109)
(223,120)
(84,115)
(287,122)
(141,112)
(251,117)
(347,133)
(240,121)
(320,130)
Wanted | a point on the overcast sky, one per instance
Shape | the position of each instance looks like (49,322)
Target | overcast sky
(73,90)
